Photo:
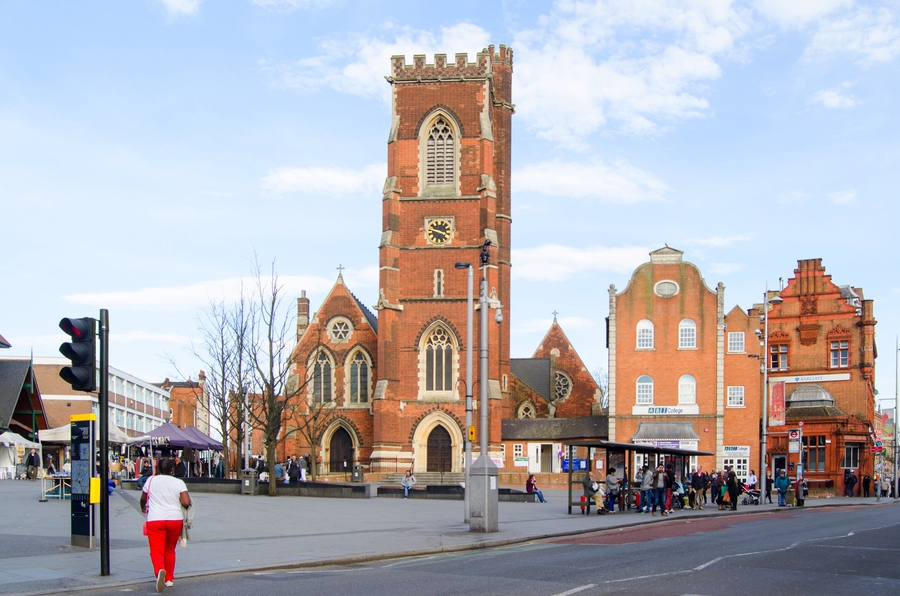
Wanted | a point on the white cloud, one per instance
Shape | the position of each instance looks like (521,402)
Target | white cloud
(543,324)
(725,268)
(616,183)
(334,182)
(799,13)
(291,5)
(358,65)
(553,262)
(176,8)
(843,197)
(835,98)
(870,35)
(718,241)
(638,63)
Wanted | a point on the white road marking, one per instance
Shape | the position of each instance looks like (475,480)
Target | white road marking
(416,560)
(300,571)
(576,590)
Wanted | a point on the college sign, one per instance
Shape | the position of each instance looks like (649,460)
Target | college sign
(665,410)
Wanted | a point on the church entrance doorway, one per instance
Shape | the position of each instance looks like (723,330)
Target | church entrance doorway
(341,452)
(440,452)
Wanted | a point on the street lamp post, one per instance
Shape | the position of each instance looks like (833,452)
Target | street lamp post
(466,439)
(765,364)
(246,429)
(483,504)
(896,411)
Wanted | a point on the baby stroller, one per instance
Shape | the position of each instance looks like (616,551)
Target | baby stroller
(750,497)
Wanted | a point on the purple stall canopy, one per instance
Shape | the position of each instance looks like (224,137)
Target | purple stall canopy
(198,435)
(168,435)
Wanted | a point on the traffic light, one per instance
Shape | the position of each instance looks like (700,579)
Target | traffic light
(82,352)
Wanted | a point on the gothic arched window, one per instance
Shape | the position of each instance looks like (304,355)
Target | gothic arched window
(321,378)
(563,386)
(440,162)
(527,410)
(359,378)
(439,350)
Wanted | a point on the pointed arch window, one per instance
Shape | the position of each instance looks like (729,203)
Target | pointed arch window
(527,410)
(359,378)
(440,162)
(439,357)
(321,378)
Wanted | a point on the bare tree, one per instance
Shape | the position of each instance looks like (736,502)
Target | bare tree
(602,377)
(268,353)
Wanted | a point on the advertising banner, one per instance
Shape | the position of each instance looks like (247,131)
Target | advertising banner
(776,404)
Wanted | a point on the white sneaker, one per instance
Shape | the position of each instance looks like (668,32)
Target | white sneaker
(161,580)
(170,584)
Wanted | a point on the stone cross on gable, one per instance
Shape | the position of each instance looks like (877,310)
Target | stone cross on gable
(340,269)
(554,315)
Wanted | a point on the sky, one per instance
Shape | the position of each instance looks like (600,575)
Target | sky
(149,149)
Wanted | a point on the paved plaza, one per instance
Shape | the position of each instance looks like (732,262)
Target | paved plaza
(236,533)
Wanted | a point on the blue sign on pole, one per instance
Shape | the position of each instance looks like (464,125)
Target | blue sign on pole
(579,465)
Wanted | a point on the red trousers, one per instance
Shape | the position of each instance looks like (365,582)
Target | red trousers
(163,536)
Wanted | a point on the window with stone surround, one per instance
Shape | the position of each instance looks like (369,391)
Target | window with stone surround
(687,335)
(778,356)
(644,391)
(358,382)
(439,155)
(645,334)
(563,386)
(322,370)
(526,410)
(840,354)
(438,283)
(439,355)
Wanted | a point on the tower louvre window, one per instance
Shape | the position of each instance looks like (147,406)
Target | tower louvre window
(439,155)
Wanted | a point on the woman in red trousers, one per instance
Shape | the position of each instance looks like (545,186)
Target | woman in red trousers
(162,501)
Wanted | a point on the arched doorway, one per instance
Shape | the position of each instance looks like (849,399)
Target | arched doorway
(341,452)
(440,451)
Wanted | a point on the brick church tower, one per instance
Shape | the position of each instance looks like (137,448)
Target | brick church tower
(446,192)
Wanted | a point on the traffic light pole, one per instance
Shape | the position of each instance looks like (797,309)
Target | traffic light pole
(103,404)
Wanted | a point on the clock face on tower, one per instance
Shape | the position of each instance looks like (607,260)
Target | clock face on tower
(438,231)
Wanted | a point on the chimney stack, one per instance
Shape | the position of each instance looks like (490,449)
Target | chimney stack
(302,314)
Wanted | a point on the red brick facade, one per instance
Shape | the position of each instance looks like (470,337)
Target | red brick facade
(670,368)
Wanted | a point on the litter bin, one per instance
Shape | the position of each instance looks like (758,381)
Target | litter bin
(248,482)
(357,473)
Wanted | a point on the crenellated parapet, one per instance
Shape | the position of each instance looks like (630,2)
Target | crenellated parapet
(441,69)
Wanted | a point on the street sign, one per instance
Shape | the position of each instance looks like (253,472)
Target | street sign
(800,424)
(794,434)
(877,449)
(879,444)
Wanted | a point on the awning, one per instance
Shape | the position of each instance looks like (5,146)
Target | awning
(63,434)
(665,431)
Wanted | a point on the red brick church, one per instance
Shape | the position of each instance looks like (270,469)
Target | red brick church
(393,380)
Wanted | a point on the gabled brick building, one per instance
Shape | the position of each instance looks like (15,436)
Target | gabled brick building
(822,348)
(679,372)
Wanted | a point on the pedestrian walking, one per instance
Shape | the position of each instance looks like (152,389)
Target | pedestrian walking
(531,488)
(866,483)
(733,484)
(850,481)
(782,484)
(646,489)
(670,487)
(162,499)
(407,483)
(769,482)
(658,482)
(700,483)
(32,462)
(304,467)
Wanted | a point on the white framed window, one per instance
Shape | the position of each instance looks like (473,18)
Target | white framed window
(736,396)
(518,450)
(644,390)
(687,335)
(438,283)
(736,342)
(645,334)
(687,390)
(666,288)
(358,368)
(840,354)
(740,465)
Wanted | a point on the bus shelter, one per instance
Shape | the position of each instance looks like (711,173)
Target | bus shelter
(616,455)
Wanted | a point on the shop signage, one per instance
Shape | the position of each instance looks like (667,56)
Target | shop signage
(521,462)
(811,378)
(776,406)
(665,410)
(736,450)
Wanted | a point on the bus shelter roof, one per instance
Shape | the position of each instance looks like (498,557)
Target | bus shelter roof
(617,446)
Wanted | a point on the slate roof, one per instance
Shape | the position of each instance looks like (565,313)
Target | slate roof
(12,377)
(813,412)
(554,429)
(370,316)
(665,431)
(534,372)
